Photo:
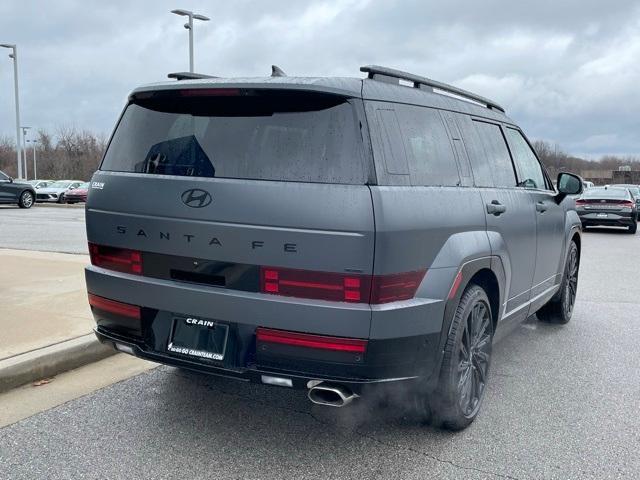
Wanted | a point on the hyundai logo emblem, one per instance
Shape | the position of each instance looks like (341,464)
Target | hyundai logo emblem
(196,198)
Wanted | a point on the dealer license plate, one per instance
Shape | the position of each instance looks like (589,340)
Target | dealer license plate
(199,338)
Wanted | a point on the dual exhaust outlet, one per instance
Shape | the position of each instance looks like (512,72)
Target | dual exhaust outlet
(331,395)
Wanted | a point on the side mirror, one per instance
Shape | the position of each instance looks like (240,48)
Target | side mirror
(568,184)
(10,179)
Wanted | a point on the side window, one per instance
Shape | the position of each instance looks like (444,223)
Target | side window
(458,146)
(395,158)
(429,152)
(497,168)
(529,170)
(3,177)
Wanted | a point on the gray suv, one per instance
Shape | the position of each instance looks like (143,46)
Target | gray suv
(337,235)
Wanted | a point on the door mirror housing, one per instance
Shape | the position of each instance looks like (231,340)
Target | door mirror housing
(568,184)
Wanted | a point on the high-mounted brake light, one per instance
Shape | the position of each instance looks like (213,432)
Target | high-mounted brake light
(340,287)
(321,342)
(209,92)
(114,258)
(112,306)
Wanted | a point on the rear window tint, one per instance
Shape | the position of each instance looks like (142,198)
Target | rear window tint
(286,136)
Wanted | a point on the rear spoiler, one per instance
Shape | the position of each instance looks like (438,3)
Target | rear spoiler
(189,76)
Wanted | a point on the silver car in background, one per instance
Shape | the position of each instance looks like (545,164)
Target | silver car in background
(55,191)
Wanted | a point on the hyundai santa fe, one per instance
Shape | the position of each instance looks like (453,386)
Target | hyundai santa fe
(337,235)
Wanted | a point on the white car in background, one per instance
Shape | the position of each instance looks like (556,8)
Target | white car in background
(54,192)
(38,184)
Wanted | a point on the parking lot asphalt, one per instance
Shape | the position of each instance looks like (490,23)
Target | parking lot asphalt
(562,403)
(51,228)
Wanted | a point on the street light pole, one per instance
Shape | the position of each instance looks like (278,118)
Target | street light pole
(189,26)
(24,151)
(35,170)
(14,55)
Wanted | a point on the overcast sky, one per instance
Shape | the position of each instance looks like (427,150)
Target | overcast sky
(567,71)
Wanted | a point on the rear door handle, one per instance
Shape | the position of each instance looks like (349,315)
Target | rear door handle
(496,208)
(541,207)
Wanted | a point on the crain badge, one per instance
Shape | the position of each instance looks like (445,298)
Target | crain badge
(97,185)
(204,323)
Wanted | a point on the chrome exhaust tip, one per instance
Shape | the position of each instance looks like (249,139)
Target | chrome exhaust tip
(331,395)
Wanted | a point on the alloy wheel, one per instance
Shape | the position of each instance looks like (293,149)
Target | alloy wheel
(474,357)
(571,284)
(27,199)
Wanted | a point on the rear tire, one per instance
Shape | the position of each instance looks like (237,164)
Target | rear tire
(633,228)
(465,366)
(61,198)
(26,199)
(560,308)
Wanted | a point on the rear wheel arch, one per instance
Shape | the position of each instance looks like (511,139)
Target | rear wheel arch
(578,241)
(488,281)
(486,272)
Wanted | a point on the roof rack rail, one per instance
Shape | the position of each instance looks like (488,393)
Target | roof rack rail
(188,76)
(391,75)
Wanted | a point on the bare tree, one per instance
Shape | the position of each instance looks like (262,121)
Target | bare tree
(69,154)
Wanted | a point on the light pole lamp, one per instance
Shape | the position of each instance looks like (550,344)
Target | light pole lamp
(14,56)
(189,26)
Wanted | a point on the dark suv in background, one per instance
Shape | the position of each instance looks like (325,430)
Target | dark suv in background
(330,234)
(12,191)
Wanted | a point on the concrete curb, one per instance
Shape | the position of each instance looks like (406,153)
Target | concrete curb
(52,360)
(60,205)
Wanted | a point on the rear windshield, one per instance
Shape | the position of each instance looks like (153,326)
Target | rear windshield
(606,193)
(286,136)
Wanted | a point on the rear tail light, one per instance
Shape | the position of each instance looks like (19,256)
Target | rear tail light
(118,259)
(627,203)
(321,342)
(580,203)
(399,286)
(112,306)
(374,289)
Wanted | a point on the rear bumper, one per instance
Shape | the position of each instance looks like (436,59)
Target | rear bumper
(611,219)
(299,380)
(406,352)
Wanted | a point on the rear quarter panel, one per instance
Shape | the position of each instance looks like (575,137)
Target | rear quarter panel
(432,228)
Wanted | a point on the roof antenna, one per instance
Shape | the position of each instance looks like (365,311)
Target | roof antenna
(277,71)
